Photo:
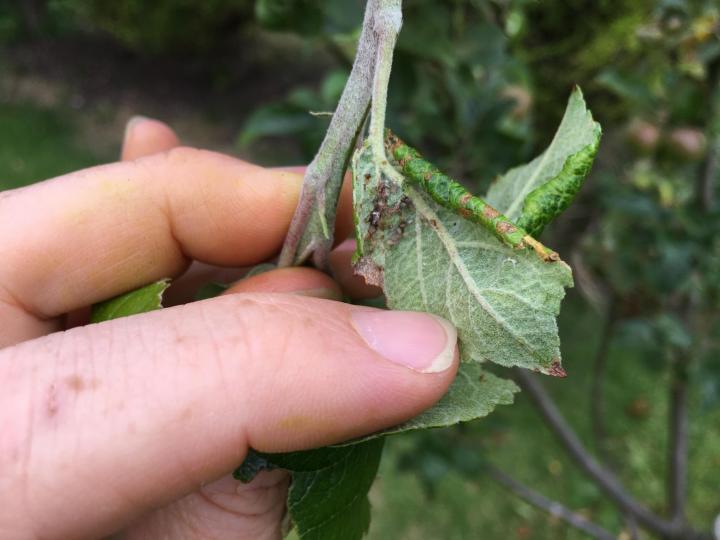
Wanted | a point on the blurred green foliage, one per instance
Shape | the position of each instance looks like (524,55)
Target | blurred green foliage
(455,91)
(37,143)
(158,27)
(166,25)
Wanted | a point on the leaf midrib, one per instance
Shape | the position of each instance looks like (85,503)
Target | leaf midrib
(428,214)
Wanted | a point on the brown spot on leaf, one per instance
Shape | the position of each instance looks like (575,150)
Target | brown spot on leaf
(556,370)
(490,213)
(464,199)
(464,212)
(372,272)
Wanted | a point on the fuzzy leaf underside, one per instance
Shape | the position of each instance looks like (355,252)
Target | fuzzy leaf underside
(534,194)
(503,301)
(147,298)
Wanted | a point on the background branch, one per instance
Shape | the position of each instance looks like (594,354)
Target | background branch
(553,508)
(709,176)
(678,448)
(604,478)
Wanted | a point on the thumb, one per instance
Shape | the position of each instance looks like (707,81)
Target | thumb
(141,411)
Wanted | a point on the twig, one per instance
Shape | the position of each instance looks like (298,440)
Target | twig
(604,478)
(678,448)
(553,508)
(388,21)
(311,229)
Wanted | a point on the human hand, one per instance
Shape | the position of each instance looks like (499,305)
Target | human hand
(132,426)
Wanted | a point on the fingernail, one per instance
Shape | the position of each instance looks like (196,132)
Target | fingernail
(131,124)
(419,341)
(320,292)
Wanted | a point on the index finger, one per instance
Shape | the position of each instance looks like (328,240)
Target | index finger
(93,234)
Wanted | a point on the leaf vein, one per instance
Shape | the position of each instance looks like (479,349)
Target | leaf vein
(431,217)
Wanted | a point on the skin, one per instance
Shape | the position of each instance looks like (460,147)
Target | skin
(130,428)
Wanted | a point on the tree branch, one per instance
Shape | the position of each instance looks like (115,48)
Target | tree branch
(709,175)
(311,229)
(678,448)
(604,478)
(553,508)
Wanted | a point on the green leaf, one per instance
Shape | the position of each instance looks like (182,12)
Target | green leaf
(144,299)
(301,16)
(328,495)
(535,193)
(210,290)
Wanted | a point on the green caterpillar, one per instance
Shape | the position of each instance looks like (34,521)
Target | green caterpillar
(451,194)
(548,201)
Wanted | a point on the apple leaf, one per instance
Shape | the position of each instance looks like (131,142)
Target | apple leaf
(534,194)
(147,298)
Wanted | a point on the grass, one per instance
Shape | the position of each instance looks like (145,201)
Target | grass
(38,143)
